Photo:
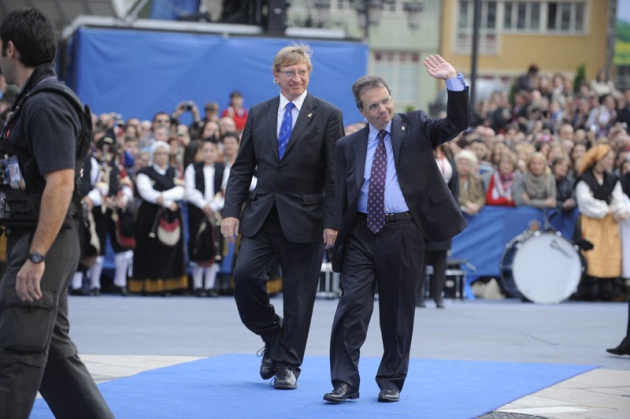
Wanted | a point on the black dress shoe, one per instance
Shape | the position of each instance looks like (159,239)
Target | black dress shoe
(95,292)
(388,395)
(121,290)
(267,366)
(285,378)
(211,293)
(622,349)
(79,291)
(618,351)
(439,303)
(341,393)
(199,292)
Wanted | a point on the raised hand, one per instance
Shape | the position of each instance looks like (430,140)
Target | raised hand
(439,68)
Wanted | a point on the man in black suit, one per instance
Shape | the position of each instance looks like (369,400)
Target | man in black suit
(391,196)
(290,141)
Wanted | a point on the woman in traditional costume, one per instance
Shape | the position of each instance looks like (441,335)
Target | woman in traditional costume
(159,265)
(601,203)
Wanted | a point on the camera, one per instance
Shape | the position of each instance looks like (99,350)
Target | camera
(188,106)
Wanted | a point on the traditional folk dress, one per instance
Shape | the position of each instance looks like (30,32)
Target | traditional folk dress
(156,267)
(599,226)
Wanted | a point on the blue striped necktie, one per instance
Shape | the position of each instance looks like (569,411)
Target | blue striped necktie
(285,129)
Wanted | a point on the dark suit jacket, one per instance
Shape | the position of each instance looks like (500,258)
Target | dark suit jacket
(453,186)
(301,185)
(414,136)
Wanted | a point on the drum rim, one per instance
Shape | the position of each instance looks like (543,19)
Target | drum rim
(522,286)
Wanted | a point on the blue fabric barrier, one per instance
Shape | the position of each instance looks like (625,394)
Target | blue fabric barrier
(137,73)
(482,243)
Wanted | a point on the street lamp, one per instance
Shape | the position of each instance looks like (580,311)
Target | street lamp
(369,13)
(322,11)
(414,10)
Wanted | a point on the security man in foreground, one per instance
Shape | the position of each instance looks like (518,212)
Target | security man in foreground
(43,143)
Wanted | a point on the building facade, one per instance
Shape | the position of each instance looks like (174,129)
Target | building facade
(396,49)
(557,36)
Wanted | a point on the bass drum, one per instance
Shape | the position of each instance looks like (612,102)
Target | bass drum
(542,267)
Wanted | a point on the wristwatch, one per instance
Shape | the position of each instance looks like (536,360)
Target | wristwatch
(36,257)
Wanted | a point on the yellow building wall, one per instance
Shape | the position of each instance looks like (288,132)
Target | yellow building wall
(551,52)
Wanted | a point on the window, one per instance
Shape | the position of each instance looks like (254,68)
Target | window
(552,16)
(487,27)
(534,22)
(401,70)
(491,15)
(565,16)
(544,16)
(579,17)
(507,16)
(521,13)
(514,16)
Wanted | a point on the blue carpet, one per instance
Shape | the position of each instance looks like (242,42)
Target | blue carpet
(228,386)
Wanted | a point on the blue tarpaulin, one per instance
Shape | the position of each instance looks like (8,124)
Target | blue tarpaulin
(482,243)
(137,73)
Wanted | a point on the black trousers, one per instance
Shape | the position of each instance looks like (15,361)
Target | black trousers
(393,260)
(436,259)
(301,264)
(36,352)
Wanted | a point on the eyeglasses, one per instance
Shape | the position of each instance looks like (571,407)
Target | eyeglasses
(374,106)
(291,74)
(163,120)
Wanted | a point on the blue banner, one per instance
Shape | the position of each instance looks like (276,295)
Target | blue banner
(137,73)
(482,243)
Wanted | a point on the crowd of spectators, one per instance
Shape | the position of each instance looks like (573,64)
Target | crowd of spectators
(524,147)
(139,166)
(529,151)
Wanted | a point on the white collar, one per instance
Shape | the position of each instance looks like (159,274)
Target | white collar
(373,135)
(159,169)
(298,102)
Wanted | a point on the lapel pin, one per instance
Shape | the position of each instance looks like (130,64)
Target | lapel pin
(309,115)
(402,128)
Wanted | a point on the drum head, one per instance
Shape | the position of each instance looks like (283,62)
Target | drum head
(546,268)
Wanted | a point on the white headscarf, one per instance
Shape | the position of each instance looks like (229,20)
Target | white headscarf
(155,146)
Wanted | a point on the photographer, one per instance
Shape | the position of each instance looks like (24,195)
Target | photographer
(188,106)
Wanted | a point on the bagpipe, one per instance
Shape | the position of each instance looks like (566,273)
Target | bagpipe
(166,227)
(208,244)
(113,179)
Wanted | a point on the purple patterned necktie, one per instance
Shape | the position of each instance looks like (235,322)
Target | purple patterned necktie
(376,191)
(285,129)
